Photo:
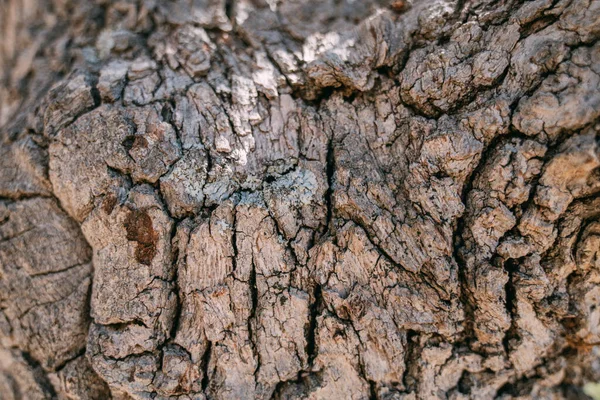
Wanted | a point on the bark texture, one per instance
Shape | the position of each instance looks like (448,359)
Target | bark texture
(295,199)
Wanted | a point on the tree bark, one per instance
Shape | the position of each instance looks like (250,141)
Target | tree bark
(216,199)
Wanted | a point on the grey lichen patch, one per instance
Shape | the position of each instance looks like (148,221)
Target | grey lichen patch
(295,200)
(183,185)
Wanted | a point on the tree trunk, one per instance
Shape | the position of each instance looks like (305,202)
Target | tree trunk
(295,199)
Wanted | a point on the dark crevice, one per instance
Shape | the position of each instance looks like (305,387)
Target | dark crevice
(459,11)
(123,325)
(23,196)
(40,376)
(372,390)
(315,309)
(230,10)
(279,388)
(234,242)
(205,363)
(166,114)
(512,267)
(330,171)
(176,290)
(314,100)
(96,96)
(411,373)
(305,380)
(466,382)
(537,25)
(518,388)
(509,389)
(252,318)
(127,143)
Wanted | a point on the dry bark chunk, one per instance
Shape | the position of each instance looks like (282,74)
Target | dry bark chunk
(44,294)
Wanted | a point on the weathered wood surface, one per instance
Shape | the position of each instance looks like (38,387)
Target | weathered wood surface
(211,199)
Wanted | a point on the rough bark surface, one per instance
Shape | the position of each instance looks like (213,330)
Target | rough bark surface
(216,199)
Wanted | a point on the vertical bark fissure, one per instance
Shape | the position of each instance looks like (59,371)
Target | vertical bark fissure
(311,342)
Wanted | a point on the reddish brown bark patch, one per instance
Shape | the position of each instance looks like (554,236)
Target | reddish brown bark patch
(138,225)
(109,203)
(399,5)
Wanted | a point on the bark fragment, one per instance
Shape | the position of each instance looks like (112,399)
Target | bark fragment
(292,199)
